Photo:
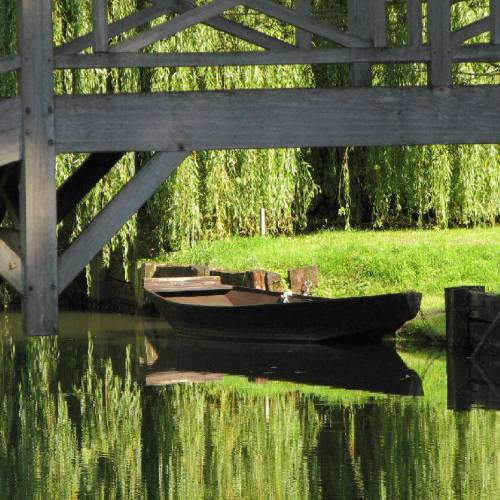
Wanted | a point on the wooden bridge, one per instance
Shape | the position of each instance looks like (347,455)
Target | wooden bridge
(37,125)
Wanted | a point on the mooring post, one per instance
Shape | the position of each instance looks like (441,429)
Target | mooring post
(37,184)
(457,312)
(458,370)
(262,222)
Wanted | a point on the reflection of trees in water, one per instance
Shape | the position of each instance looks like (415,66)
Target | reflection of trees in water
(101,435)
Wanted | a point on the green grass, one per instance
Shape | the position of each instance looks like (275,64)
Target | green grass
(367,262)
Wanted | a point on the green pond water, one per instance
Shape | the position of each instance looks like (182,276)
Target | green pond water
(118,407)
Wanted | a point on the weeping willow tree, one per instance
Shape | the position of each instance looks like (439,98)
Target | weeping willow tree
(219,193)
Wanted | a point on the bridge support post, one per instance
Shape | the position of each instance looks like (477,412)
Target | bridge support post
(37,184)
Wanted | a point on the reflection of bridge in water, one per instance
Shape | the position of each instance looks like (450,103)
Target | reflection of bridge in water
(37,125)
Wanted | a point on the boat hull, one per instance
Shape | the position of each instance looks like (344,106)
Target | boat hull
(311,320)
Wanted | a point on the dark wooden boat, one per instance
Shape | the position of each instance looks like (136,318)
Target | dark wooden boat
(204,308)
(369,367)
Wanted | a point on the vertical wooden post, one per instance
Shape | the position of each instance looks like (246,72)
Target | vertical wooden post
(262,222)
(439,30)
(495,21)
(359,24)
(303,39)
(457,312)
(378,21)
(458,371)
(414,23)
(101,30)
(38,187)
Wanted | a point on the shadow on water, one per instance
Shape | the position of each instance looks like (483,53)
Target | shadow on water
(78,420)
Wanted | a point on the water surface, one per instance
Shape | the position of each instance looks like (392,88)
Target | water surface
(118,407)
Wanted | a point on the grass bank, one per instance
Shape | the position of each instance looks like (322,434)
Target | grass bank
(367,262)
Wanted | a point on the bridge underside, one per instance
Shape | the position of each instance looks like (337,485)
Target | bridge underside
(37,125)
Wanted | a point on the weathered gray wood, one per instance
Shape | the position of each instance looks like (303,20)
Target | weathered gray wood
(484,306)
(10,130)
(115,214)
(100,22)
(457,316)
(182,283)
(274,57)
(439,26)
(12,238)
(359,24)
(10,63)
(11,267)
(414,23)
(127,23)
(306,23)
(275,118)
(303,39)
(476,53)
(495,21)
(38,187)
(458,37)
(173,26)
(378,21)
(230,27)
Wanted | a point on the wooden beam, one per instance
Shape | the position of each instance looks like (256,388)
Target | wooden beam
(10,63)
(458,37)
(495,21)
(414,23)
(439,28)
(10,130)
(38,187)
(306,23)
(139,189)
(230,27)
(303,39)
(378,22)
(79,184)
(179,121)
(359,24)
(251,58)
(100,24)
(476,53)
(118,27)
(11,267)
(173,26)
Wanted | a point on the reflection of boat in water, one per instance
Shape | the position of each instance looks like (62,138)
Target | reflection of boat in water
(236,313)
(473,382)
(369,367)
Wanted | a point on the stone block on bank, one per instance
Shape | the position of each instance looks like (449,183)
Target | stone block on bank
(298,277)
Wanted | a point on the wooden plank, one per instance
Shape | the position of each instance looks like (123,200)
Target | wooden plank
(378,21)
(306,23)
(458,37)
(181,283)
(414,23)
(274,57)
(359,24)
(230,27)
(303,39)
(439,27)
(10,130)
(139,189)
(495,21)
(79,184)
(100,23)
(173,26)
(188,121)
(10,63)
(11,267)
(38,187)
(476,53)
(484,306)
(127,23)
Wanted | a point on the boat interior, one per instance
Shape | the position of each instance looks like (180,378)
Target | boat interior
(229,298)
